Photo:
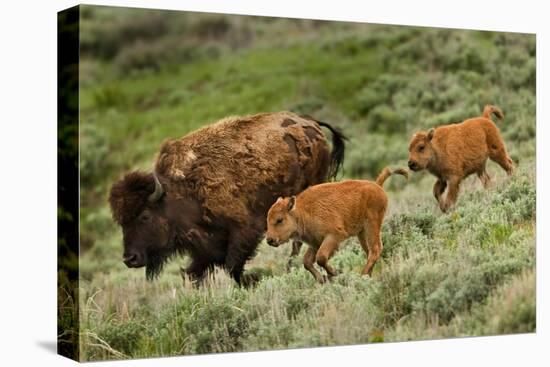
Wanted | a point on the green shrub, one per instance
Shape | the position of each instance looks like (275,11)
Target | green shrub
(123,337)
(94,153)
(211,26)
(308,106)
(385,119)
(513,309)
(367,156)
(106,39)
(109,95)
(400,223)
(152,56)
(520,198)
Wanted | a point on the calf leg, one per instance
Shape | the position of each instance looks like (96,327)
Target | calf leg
(484,177)
(499,155)
(452,194)
(439,188)
(325,252)
(362,236)
(296,246)
(309,260)
(370,238)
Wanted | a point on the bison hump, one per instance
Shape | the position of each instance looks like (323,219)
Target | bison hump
(224,165)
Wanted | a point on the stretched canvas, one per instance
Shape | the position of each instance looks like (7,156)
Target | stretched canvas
(235,183)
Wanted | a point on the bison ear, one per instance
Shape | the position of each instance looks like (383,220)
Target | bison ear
(431,134)
(291,203)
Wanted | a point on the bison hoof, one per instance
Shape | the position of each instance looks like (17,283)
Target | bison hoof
(292,263)
(322,279)
(250,280)
(445,206)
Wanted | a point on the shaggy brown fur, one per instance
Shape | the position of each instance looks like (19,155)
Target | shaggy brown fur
(215,186)
(325,215)
(453,152)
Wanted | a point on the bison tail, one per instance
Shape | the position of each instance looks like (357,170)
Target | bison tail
(488,110)
(338,149)
(387,172)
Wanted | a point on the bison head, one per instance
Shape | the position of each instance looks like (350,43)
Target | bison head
(138,206)
(420,150)
(281,224)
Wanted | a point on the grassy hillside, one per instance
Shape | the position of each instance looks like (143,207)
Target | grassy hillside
(148,75)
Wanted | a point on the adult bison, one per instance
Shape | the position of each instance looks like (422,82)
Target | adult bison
(210,191)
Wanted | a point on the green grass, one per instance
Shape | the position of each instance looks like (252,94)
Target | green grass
(470,272)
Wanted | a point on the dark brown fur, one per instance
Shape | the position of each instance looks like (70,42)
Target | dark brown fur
(325,215)
(218,183)
(453,152)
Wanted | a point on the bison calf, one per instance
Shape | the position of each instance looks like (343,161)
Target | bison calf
(453,152)
(324,215)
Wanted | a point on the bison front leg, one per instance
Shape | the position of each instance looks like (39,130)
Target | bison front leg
(325,252)
(452,195)
(241,247)
(296,246)
(309,261)
(234,263)
(484,178)
(197,270)
(439,188)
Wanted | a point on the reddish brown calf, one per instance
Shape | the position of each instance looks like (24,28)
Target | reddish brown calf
(453,152)
(325,215)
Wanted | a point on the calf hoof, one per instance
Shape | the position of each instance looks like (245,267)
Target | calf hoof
(445,207)
(292,263)
(322,279)
(334,273)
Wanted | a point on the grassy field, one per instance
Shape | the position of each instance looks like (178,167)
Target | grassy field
(147,76)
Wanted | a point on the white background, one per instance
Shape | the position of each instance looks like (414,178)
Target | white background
(28,182)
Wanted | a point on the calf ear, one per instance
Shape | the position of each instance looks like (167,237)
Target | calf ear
(291,203)
(431,134)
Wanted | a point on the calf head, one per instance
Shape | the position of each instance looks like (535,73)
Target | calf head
(281,224)
(138,206)
(420,150)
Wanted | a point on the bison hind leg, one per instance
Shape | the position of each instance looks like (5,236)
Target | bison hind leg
(484,178)
(499,155)
(241,247)
(371,241)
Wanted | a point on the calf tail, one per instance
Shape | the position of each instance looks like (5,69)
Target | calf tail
(387,172)
(490,109)
(338,149)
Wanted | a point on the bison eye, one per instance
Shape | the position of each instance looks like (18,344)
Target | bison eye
(421,148)
(144,218)
(279,221)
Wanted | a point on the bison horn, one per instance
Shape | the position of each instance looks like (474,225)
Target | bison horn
(159,191)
